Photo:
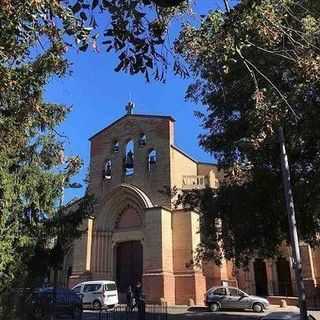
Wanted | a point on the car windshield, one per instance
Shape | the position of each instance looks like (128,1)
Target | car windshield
(76,289)
(242,293)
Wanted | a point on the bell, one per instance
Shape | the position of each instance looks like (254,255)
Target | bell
(152,160)
(115,148)
(129,165)
(107,173)
(107,170)
(129,160)
(168,3)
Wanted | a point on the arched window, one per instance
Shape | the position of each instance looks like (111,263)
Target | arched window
(115,146)
(107,171)
(152,159)
(129,158)
(142,140)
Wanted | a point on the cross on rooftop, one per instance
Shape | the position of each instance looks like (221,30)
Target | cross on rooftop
(129,107)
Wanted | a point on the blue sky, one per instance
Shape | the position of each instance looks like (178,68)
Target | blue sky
(98,96)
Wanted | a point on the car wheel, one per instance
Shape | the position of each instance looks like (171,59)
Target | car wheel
(77,312)
(257,307)
(213,307)
(96,305)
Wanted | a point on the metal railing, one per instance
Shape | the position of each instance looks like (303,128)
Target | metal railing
(282,288)
(19,305)
(25,304)
(123,312)
(313,302)
(194,182)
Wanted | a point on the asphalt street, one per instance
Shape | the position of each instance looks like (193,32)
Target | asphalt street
(196,315)
(199,313)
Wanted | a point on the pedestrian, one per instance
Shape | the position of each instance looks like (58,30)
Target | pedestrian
(130,299)
(140,300)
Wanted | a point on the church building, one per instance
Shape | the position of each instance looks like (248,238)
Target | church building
(136,232)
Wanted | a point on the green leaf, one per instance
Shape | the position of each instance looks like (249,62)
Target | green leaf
(83,16)
(84,47)
(119,67)
(94,4)
(76,8)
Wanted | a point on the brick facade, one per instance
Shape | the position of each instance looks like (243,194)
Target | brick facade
(135,208)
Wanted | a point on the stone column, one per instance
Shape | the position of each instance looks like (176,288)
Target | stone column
(275,278)
(109,249)
(158,280)
(316,264)
(250,278)
(189,280)
(80,261)
(100,254)
(307,268)
(269,269)
(89,244)
(199,278)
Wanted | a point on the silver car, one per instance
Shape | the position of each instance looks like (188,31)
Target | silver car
(233,298)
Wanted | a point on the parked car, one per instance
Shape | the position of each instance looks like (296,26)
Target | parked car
(59,301)
(233,298)
(97,294)
(285,316)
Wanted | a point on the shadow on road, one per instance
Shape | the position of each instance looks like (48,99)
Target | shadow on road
(191,314)
(202,313)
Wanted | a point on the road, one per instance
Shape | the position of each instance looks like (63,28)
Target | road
(194,313)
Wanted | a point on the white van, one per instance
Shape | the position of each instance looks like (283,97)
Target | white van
(97,294)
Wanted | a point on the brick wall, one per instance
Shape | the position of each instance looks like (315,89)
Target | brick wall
(157,131)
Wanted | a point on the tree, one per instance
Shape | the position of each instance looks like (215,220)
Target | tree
(33,170)
(257,69)
(34,37)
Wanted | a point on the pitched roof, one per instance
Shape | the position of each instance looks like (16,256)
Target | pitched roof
(191,158)
(184,153)
(133,116)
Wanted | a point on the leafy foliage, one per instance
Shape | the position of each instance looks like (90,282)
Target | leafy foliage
(33,170)
(257,68)
(34,37)
(136,31)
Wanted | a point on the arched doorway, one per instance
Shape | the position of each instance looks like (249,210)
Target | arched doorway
(260,277)
(129,264)
(284,277)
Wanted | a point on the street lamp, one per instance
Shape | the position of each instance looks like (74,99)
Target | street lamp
(168,3)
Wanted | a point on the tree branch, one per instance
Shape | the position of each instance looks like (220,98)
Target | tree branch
(226,5)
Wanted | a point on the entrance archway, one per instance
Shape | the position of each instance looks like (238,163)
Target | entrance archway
(284,277)
(129,264)
(260,277)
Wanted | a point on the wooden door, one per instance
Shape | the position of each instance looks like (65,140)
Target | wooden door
(284,277)
(129,264)
(260,277)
